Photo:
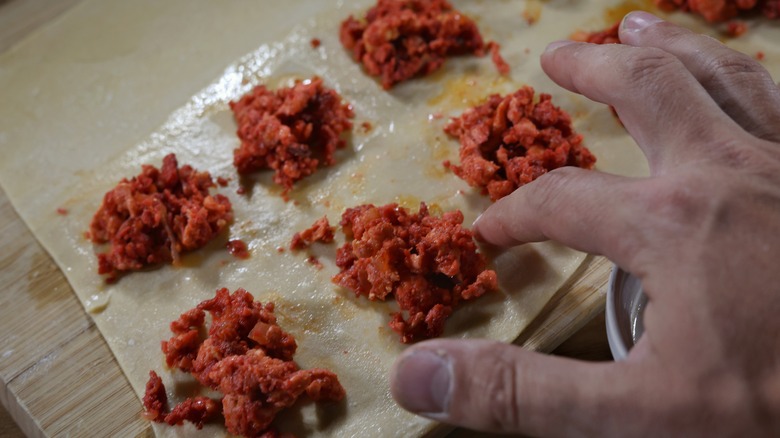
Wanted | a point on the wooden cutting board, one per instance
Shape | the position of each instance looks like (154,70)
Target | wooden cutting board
(57,375)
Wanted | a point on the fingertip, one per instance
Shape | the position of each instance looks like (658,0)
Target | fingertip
(421,380)
(489,230)
(555,45)
(635,22)
(638,20)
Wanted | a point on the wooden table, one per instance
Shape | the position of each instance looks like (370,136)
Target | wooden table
(49,342)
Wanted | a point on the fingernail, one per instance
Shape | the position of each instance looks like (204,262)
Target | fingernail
(474,224)
(423,382)
(638,20)
(557,44)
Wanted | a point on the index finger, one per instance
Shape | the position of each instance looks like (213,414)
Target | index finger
(665,109)
(587,210)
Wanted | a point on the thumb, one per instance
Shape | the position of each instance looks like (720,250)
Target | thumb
(495,387)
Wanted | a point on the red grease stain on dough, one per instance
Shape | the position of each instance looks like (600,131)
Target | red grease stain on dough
(156,215)
(291,130)
(402,39)
(429,264)
(247,357)
(510,141)
(62,211)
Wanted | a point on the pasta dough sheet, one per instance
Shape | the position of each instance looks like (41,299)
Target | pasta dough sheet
(74,160)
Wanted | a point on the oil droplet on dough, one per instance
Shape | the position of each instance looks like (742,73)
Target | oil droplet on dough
(615,14)
(533,11)
(466,91)
(410,202)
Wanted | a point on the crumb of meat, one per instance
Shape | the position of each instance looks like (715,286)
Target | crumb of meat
(196,410)
(315,261)
(723,10)
(237,248)
(315,42)
(429,264)
(402,39)
(760,56)
(609,35)
(366,126)
(320,231)
(292,130)
(222,181)
(247,357)
(156,215)
(155,400)
(511,140)
(495,55)
(62,211)
(736,28)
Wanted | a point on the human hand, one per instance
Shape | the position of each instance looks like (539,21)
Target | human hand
(702,233)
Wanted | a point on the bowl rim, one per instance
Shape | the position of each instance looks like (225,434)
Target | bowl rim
(617,344)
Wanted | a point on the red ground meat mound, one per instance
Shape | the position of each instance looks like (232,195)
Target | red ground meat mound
(429,264)
(320,231)
(291,130)
(606,36)
(156,215)
(247,357)
(723,10)
(401,39)
(510,141)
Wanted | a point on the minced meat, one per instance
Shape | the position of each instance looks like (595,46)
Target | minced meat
(511,140)
(429,264)
(156,215)
(723,10)
(292,130)
(401,39)
(320,231)
(247,357)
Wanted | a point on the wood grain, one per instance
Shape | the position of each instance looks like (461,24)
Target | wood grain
(57,375)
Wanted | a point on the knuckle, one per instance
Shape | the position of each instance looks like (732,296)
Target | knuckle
(650,68)
(753,160)
(680,200)
(728,65)
(548,188)
(502,394)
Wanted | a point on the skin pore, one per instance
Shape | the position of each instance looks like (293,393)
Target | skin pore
(702,232)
